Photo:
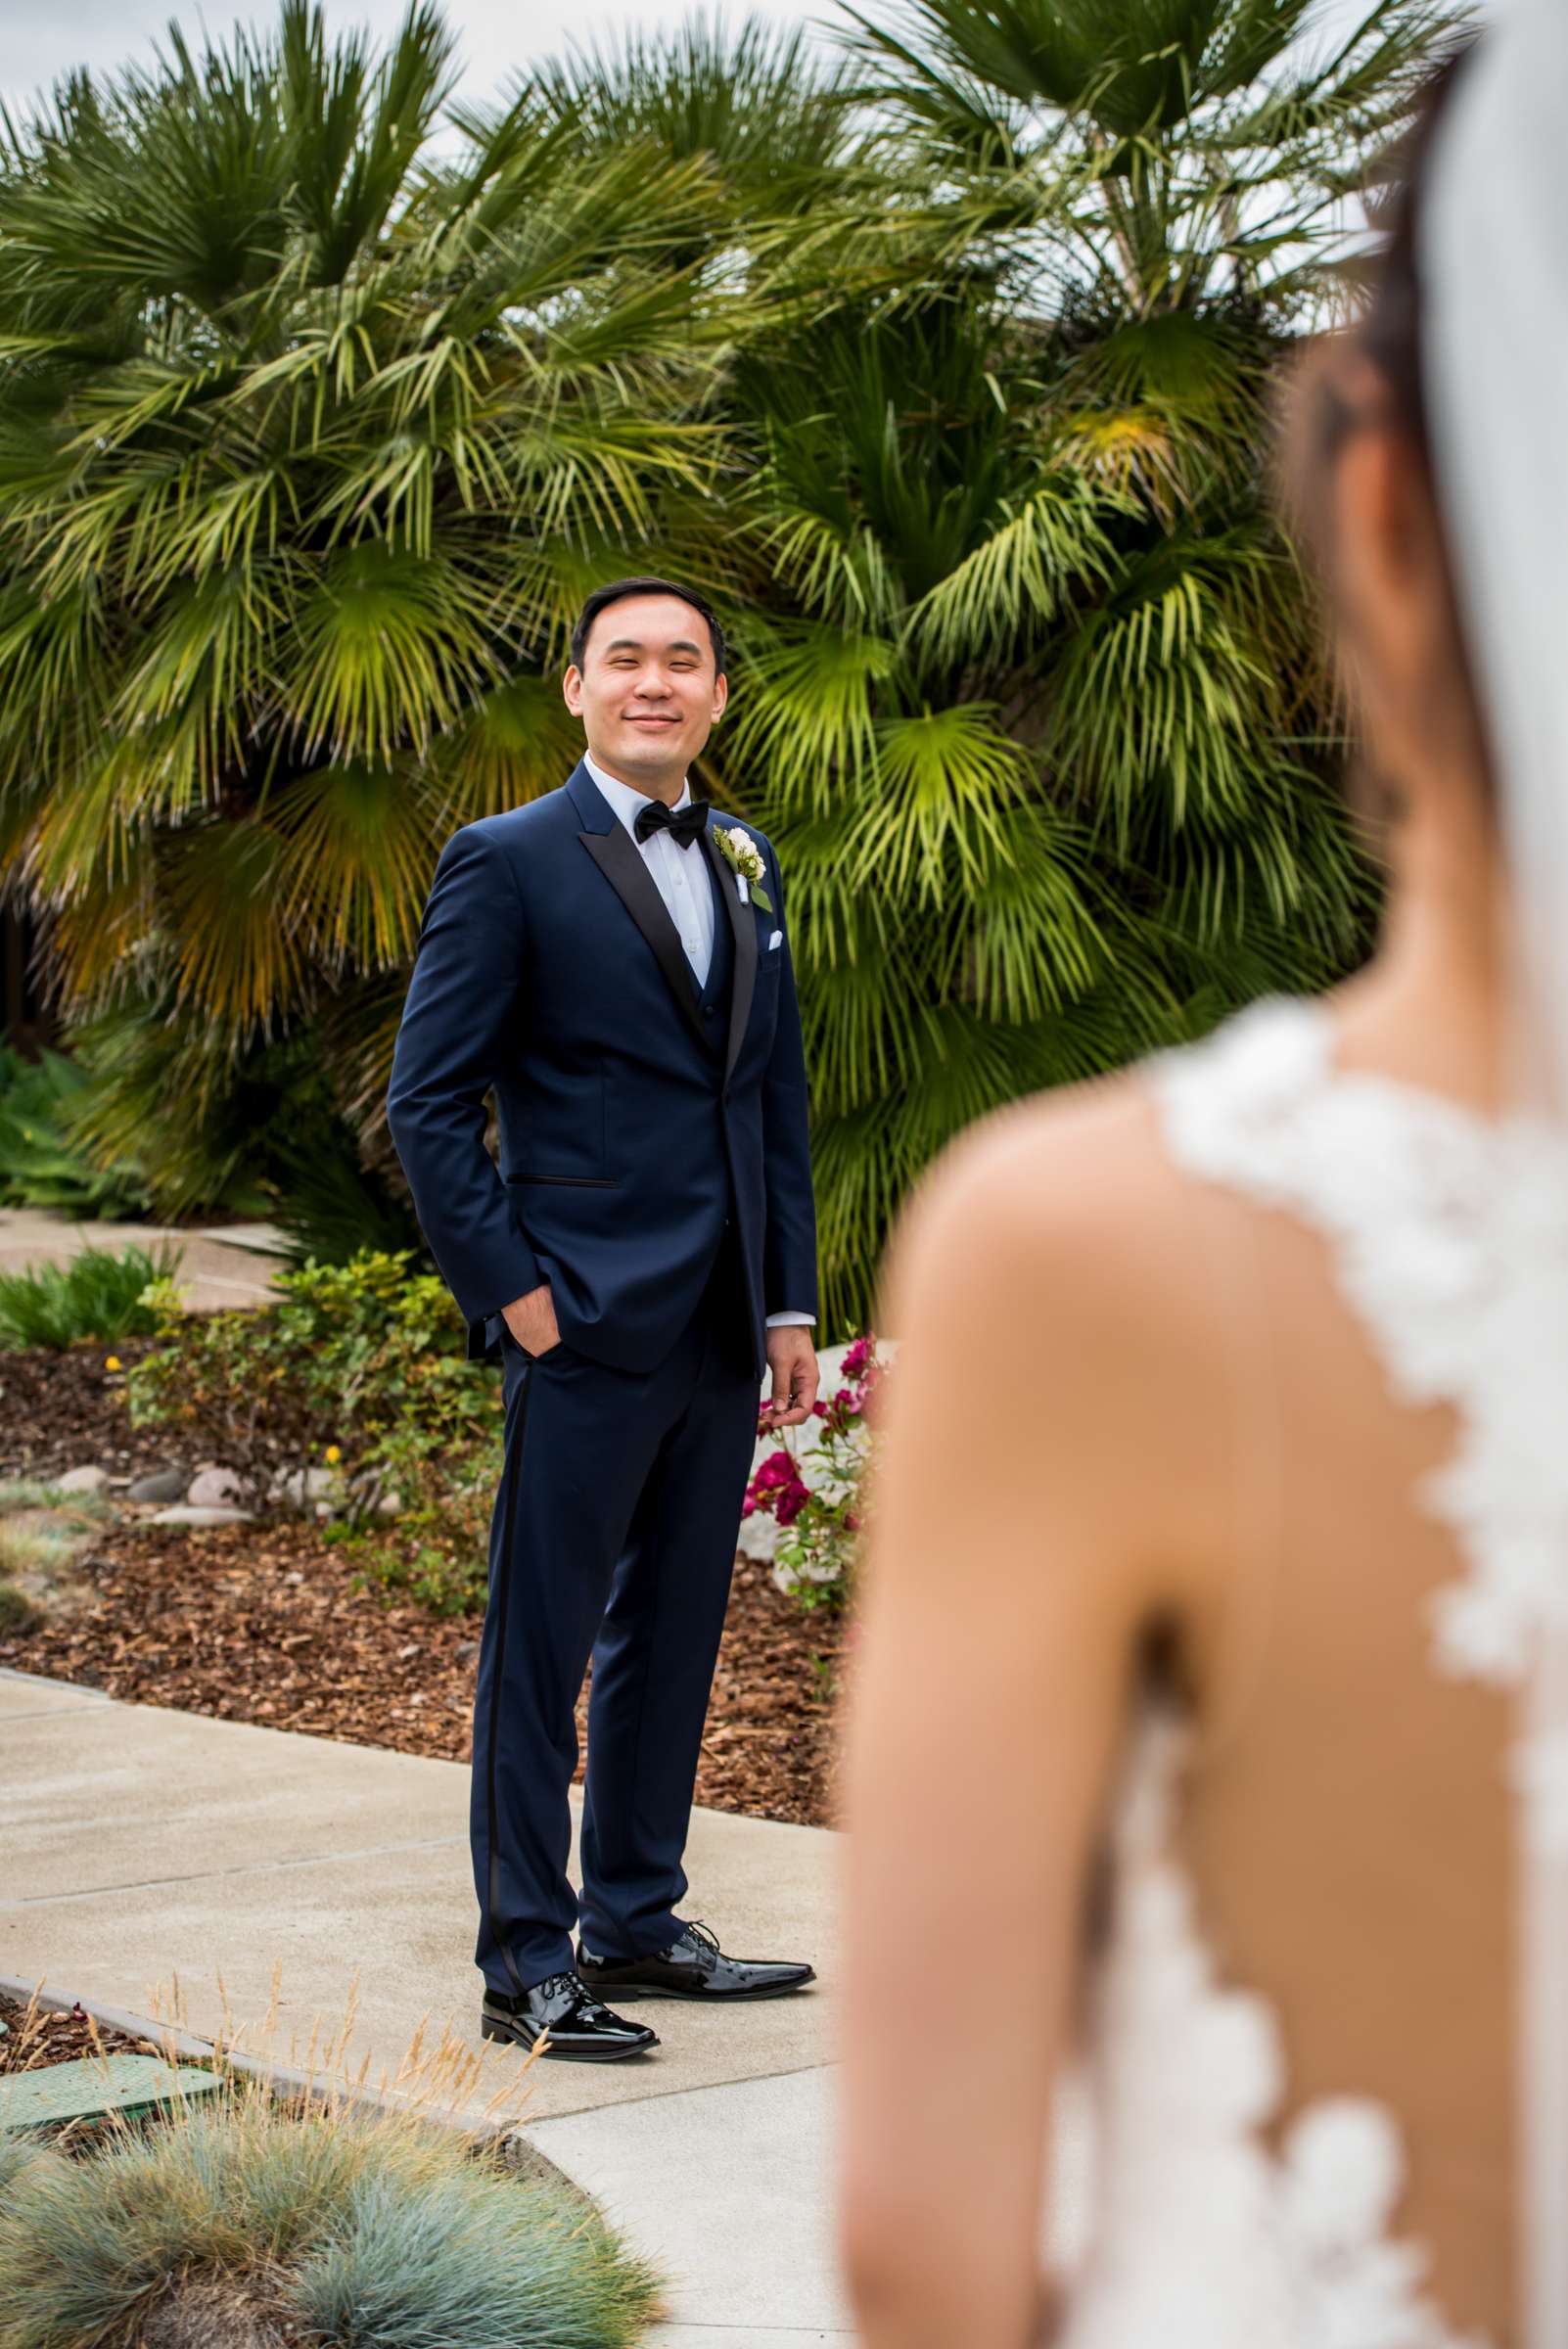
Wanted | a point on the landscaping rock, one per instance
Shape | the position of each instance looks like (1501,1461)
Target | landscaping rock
(90,1479)
(758,1537)
(162,1484)
(298,1487)
(215,1488)
(200,1514)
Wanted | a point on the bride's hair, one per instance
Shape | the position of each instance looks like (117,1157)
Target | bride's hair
(1316,414)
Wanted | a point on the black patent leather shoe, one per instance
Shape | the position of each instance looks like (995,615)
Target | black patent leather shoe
(694,1967)
(567,2018)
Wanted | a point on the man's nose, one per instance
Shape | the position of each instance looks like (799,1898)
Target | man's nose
(653,685)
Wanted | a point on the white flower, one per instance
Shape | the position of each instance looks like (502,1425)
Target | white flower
(743,852)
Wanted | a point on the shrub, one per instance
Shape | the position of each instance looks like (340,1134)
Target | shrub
(42,1163)
(820,1507)
(355,1367)
(256,2221)
(101,1294)
(17,1612)
(437,1547)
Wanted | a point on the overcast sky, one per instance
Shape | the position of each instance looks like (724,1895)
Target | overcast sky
(42,38)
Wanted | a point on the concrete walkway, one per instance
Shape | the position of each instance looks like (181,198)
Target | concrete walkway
(226,1265)
(313,1901)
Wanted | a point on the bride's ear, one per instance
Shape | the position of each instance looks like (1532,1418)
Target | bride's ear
(1397,638)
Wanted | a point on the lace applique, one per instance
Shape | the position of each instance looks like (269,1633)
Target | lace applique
(1450,1234)
(1451,1239)
(1200,2237)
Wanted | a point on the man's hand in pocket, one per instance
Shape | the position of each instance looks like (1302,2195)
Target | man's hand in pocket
(531,1320)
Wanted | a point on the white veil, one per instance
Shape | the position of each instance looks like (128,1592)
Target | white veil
(1492,263)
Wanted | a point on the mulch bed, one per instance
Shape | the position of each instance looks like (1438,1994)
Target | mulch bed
(64,1411)
(264,1623)
(42,2037)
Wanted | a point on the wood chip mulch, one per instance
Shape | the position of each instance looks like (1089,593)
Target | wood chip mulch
(37,2036)
(61,1410)
(264,1623)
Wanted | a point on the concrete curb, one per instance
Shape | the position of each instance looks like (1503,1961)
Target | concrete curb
(483,2137)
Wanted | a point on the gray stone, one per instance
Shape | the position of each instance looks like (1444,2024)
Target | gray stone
(200,1514)
(298,1487)
(160,1483)
(91,1479)
(215,1488)
(758,1537)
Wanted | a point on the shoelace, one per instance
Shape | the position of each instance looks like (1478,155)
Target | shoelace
(699,1933)
(583,1999)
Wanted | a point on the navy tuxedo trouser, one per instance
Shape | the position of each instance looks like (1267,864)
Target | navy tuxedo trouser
(614,1533)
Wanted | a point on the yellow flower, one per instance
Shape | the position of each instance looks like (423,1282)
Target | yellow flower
(332,1454)
(110,1361)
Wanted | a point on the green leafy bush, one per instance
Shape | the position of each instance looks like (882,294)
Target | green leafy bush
(103,1293)
(436,1549)
(353,1369)
(259,2222)
(42,1162)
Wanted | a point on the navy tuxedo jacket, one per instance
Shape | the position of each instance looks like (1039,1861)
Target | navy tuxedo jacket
(637,1112)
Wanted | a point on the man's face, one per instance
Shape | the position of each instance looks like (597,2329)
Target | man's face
(646,692)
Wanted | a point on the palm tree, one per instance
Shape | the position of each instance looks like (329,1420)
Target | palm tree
(943,371)
(311,438)
(1030,696)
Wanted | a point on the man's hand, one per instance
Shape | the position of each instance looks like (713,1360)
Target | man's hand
(532,1319)
(792,1358)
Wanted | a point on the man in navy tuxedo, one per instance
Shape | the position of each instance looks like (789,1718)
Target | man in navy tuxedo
(613,959)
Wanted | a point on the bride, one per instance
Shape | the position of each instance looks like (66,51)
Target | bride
(1207,1761)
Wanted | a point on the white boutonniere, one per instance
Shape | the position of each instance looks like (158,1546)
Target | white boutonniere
(745,860)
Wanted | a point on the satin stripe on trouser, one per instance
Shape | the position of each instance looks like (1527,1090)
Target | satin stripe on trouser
(613,1532)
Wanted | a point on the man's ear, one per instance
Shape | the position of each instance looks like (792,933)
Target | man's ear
(572,689)
(721,696)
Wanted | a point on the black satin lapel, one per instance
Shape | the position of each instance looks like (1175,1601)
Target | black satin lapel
(616,854)
(743,921)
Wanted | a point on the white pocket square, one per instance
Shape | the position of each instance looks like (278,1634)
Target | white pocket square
(777,940)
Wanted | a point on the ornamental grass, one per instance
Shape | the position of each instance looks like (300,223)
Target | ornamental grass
(261,2224)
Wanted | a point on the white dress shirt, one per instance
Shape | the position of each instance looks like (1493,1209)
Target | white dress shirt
(681,876)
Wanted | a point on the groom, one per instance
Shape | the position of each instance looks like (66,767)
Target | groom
(612,959)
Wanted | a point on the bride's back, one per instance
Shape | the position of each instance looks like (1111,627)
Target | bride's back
(1346,1819)
(1279,1329)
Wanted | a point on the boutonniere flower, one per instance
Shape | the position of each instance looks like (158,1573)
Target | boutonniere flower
(745,860)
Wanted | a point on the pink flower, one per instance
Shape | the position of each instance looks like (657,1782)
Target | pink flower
(854,1362)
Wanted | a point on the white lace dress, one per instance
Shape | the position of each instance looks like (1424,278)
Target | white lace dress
(1176,2223)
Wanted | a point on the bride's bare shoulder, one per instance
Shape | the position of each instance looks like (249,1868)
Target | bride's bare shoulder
(1072,1189)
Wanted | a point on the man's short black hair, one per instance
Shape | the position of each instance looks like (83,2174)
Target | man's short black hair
(604,596)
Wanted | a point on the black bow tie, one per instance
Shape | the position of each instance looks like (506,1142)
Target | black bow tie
(682,828)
